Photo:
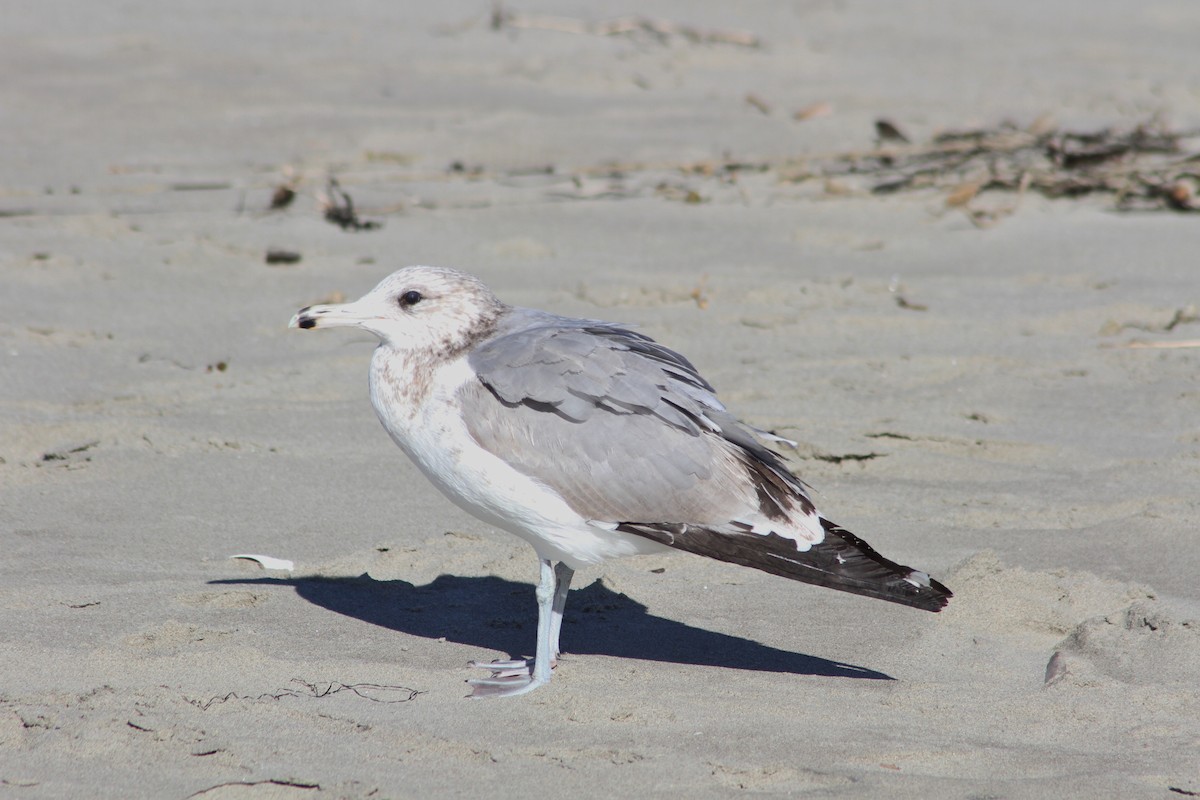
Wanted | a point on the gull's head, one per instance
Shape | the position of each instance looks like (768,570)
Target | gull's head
(430,309)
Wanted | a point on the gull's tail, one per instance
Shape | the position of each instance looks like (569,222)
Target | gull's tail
(840,561)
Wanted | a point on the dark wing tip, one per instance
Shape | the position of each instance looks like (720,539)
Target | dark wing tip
(841,561)
(870,574)
(934,598)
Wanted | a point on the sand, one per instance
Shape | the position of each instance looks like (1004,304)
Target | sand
(157,417)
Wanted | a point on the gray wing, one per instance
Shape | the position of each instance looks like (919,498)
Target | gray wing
(581,366)
(630,434)
(622,427)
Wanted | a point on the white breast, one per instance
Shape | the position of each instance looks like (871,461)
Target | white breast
(419,410)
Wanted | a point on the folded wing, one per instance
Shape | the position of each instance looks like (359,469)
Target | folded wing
(634,438)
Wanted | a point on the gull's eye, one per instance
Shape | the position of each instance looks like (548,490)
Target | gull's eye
(409,298)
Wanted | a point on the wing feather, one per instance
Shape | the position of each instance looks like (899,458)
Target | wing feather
(620,426)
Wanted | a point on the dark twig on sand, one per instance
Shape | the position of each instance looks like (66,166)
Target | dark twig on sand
(339,209)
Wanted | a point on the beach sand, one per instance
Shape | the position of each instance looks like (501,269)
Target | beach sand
(157,417)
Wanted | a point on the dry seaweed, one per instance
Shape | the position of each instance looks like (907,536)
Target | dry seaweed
(1146,167)
(659,30)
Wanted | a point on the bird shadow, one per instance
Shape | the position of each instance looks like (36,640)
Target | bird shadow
(498,614)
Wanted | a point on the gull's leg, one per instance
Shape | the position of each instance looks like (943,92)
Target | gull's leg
(563,574)
(507,668)
(509,682)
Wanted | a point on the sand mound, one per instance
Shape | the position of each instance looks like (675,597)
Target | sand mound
(1146,642)
(1001,599)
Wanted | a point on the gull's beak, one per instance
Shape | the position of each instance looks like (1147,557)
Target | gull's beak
(348,315)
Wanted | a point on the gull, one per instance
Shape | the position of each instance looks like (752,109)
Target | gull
(590,441)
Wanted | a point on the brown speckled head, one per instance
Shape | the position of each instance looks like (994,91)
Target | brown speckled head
(432,311)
